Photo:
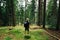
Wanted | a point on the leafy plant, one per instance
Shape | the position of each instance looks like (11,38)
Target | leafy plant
(8,38)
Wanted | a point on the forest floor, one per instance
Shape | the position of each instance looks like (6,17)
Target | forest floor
(18,33)
(53,33)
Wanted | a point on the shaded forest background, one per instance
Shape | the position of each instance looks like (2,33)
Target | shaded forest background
(39,12)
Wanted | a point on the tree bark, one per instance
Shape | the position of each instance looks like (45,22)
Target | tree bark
(0,15)
(40,13)
(10,12)
(13,13)
(58,18)
(44,14)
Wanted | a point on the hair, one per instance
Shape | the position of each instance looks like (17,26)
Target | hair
(27,19)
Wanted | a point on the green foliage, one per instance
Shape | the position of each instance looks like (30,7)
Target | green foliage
(52,14)
(3,15)
(7,38)
(15,32)
(28,13)
(21,15)
(32,13)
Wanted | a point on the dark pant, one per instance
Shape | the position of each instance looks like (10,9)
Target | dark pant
(26,29)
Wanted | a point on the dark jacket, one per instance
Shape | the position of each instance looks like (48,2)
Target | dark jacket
(26,24)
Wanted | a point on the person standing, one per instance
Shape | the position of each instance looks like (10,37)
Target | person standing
(26,26)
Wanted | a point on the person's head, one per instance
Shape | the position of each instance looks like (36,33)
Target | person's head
(27,19)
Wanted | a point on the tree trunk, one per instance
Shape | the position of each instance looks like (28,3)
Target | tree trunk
(58,18)
(10,12)
(13,13)
(40,13)
(44,14)
(0,15)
